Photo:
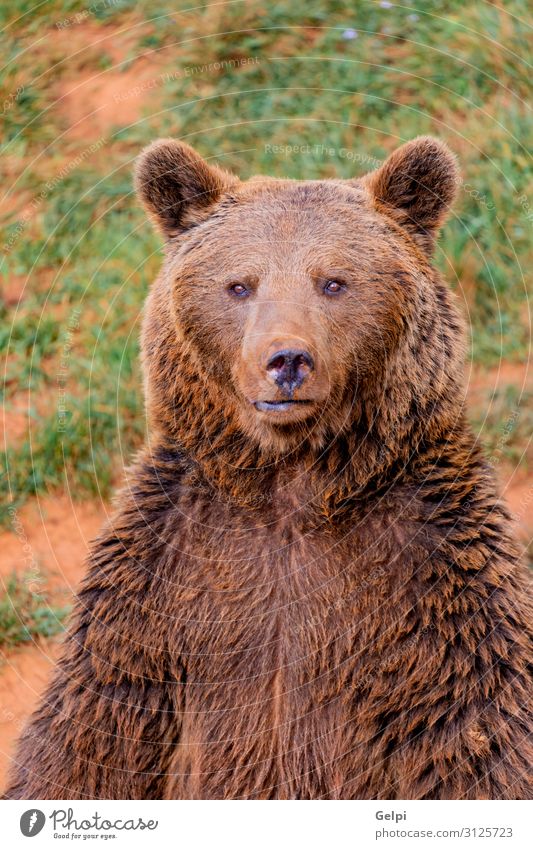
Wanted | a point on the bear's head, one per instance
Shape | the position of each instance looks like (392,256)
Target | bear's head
(290,315)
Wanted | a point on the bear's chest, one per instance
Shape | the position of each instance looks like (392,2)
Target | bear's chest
(275,624)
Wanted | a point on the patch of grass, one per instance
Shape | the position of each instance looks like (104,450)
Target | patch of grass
(504,421)
(25,615)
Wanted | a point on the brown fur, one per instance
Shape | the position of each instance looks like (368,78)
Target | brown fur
(319,604)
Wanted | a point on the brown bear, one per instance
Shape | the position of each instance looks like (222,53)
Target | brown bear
(309,588)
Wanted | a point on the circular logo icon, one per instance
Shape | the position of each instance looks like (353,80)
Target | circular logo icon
(32,822)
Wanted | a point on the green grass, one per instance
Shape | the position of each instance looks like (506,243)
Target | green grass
(457,70)
(505,423)
(25,615)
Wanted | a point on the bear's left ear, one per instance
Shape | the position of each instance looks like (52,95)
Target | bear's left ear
(178,187)
(416,186)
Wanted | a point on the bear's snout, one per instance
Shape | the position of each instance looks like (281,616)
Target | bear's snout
(282,371)
(288,368)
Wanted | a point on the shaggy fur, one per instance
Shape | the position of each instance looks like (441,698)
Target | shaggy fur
(325,604)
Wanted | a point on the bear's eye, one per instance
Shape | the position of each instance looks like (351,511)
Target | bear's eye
(239,290)
(333,287)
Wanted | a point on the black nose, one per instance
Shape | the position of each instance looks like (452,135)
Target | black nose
(289,369)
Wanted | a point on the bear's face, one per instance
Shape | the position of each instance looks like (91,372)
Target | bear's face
(292,295)
(286,299)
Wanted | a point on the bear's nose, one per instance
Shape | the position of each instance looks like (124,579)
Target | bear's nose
(289,368)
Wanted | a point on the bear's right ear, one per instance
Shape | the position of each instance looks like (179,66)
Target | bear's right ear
(177,187)
(416,186)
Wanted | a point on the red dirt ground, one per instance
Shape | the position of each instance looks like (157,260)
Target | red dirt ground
(50,543)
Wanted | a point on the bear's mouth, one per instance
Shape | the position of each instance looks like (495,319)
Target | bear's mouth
(279,406)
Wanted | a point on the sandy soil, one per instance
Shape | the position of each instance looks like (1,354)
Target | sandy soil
(91,103)
(48,542)
(24,674)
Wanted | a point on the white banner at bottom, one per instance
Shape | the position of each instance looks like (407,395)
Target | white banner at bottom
(276,825)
